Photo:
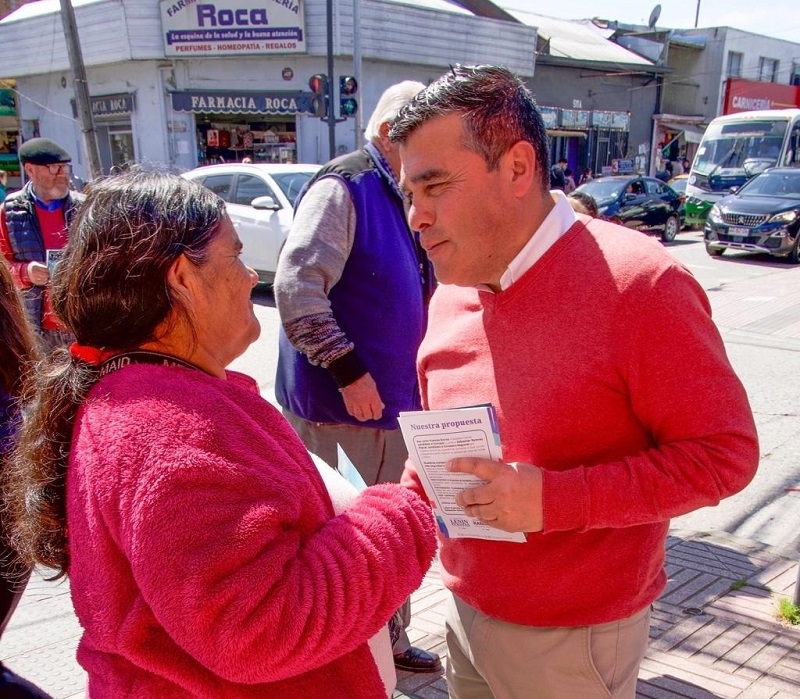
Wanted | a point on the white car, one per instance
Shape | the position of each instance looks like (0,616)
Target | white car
(260,201)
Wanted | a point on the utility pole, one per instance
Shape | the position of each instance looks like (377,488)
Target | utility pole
(331,107)
(78,71)
(357,70)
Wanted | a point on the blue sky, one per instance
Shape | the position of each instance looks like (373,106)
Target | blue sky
(782,21)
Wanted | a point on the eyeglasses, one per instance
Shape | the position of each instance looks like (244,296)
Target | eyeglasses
(57,168)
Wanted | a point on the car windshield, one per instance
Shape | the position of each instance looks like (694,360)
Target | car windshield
(603,189)
(773,184)
(678,185)
(747,147)
(291,183)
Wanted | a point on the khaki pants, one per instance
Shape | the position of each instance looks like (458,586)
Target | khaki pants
(379,455)
(492,659)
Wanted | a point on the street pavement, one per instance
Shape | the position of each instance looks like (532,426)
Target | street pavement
(714,632)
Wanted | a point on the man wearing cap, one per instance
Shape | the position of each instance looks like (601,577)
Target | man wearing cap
(33,230)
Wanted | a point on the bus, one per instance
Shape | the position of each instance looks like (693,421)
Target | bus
(734,148)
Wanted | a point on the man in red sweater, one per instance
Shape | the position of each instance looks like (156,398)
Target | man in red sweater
(570,327)
(33,231)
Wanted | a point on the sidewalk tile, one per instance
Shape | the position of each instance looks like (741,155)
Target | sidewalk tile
(753,606)
(693,680)
(708,641)
(52,667)
(693,589)
(779,577)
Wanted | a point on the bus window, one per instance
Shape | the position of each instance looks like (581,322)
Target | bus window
(792,155)
(746,148)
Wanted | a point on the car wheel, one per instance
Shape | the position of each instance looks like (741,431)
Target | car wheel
(671,228)
(714,252)
(794,253)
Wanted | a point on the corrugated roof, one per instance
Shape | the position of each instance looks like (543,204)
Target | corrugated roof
(578,40)
(573,39)
(43,7)
(441,5)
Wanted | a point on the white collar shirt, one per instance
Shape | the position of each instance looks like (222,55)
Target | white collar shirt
(560,219)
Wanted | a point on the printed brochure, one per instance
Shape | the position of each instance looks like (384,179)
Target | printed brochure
(433,437)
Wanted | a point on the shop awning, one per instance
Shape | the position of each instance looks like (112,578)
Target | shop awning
(7,106)
(692,133)
(224,102)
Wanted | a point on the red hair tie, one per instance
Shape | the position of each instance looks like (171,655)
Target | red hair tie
(90,355)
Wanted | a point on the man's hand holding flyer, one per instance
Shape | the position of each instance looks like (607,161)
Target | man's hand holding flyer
(433,437)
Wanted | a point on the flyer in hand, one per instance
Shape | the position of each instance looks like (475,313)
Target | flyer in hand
(433,437)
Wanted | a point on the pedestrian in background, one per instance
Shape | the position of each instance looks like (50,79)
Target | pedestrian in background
(3,185)
(557,178)
(586,176)
(351,288)
(33,231)
(18,349)
(665,175)
(200,539)
(562,325)
(569,181)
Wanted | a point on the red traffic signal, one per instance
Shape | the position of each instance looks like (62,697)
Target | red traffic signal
(318,83)
(319,86)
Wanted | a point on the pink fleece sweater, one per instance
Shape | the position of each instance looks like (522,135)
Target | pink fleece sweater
(206,559)
(606,371)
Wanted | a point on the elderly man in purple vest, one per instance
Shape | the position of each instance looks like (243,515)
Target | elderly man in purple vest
(352,287)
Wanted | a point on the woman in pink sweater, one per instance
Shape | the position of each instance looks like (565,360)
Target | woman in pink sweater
(204,554)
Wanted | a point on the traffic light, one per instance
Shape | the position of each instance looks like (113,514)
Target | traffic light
(348,87)
(319,103)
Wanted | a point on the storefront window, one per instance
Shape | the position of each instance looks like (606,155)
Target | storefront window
(8,158)
(611,145)
(9,135)
(221,140)
(121,144)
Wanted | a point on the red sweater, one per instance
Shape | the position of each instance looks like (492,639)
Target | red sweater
(54,237)
(206,559)
(607,372)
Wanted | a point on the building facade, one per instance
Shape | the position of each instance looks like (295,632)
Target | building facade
(180,84)
(596,96)
(729,56)
(721,70)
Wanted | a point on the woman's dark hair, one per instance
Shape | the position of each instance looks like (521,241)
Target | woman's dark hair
(497,111)
(18,344)
(18,349)
(110,290)
(586,203)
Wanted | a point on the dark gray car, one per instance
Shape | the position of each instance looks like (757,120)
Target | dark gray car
(762,216)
